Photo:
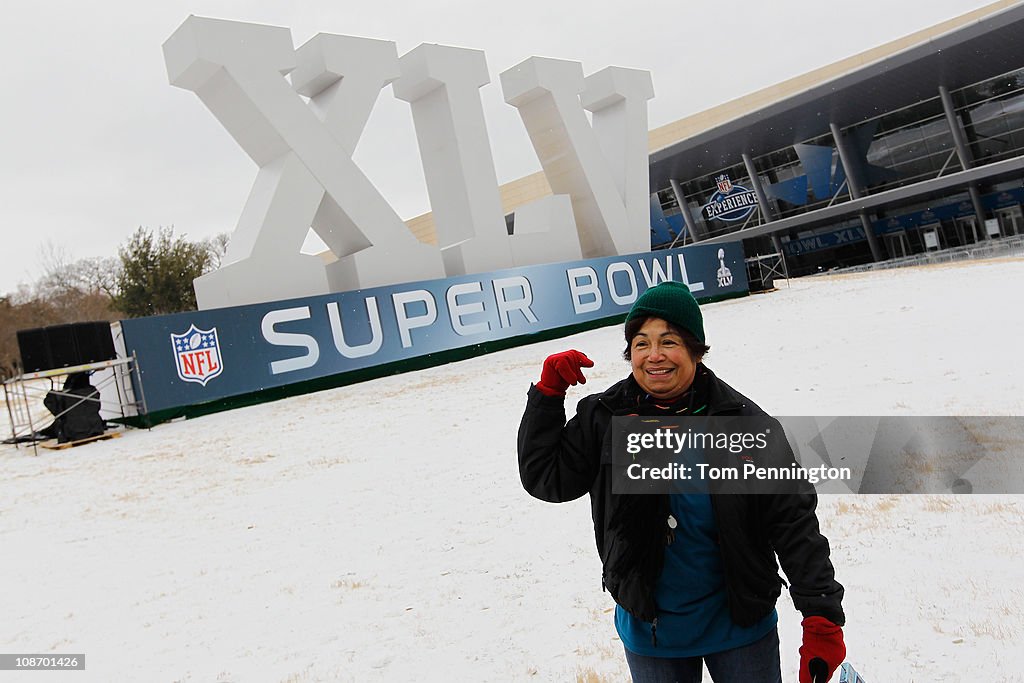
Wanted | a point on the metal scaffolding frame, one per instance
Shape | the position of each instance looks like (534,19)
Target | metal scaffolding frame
(20,391)
(766,267)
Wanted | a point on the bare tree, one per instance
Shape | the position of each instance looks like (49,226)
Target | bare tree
(63,277)
(68,291)
(218,248)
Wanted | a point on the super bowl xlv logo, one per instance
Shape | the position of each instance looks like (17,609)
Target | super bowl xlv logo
(724,275)
(298,113)
(730,202)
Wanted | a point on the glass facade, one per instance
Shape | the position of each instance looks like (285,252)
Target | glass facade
(894,149)
(908,146)
(993,116)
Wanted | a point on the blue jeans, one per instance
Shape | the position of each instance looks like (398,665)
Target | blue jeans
(754,663)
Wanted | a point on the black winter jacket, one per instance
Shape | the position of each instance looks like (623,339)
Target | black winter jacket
(561,461)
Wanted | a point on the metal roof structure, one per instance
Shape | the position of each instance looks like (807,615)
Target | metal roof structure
(985,47)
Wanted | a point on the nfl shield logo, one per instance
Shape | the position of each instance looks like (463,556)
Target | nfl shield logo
(724,184)
(197,355)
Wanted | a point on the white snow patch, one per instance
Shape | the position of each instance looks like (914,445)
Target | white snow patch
(378,532)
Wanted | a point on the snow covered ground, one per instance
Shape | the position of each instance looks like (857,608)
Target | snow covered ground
(378,532)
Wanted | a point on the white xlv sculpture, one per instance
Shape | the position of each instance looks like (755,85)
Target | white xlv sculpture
(307,178)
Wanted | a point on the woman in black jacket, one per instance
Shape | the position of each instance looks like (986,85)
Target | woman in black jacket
(694,575)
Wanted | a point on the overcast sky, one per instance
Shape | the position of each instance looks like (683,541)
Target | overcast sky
(94,142)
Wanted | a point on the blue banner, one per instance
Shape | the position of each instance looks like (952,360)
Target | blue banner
(201,356)
(907,221)
(659,226)
(1001,200)
(826,240)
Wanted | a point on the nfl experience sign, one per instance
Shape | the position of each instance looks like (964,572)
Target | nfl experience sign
(730,202)
(198,357)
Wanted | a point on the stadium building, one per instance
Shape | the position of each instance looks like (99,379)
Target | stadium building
(912,146)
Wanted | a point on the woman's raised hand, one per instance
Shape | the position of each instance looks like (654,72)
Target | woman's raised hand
(562,370)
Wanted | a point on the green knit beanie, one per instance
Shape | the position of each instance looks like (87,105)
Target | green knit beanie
(671,301)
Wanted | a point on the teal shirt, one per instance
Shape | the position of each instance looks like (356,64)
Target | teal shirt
(693,615)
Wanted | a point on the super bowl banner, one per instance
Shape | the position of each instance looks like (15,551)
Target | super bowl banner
(193,358)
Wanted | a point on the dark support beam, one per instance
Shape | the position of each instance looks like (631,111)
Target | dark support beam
(978,209)
(853,181)
(762,199)
(696,234)
(869,230)
(956,129)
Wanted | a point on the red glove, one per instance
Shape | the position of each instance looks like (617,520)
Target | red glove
(823,650)
(561,370)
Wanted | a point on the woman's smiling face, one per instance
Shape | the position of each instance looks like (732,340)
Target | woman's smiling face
(662,365)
